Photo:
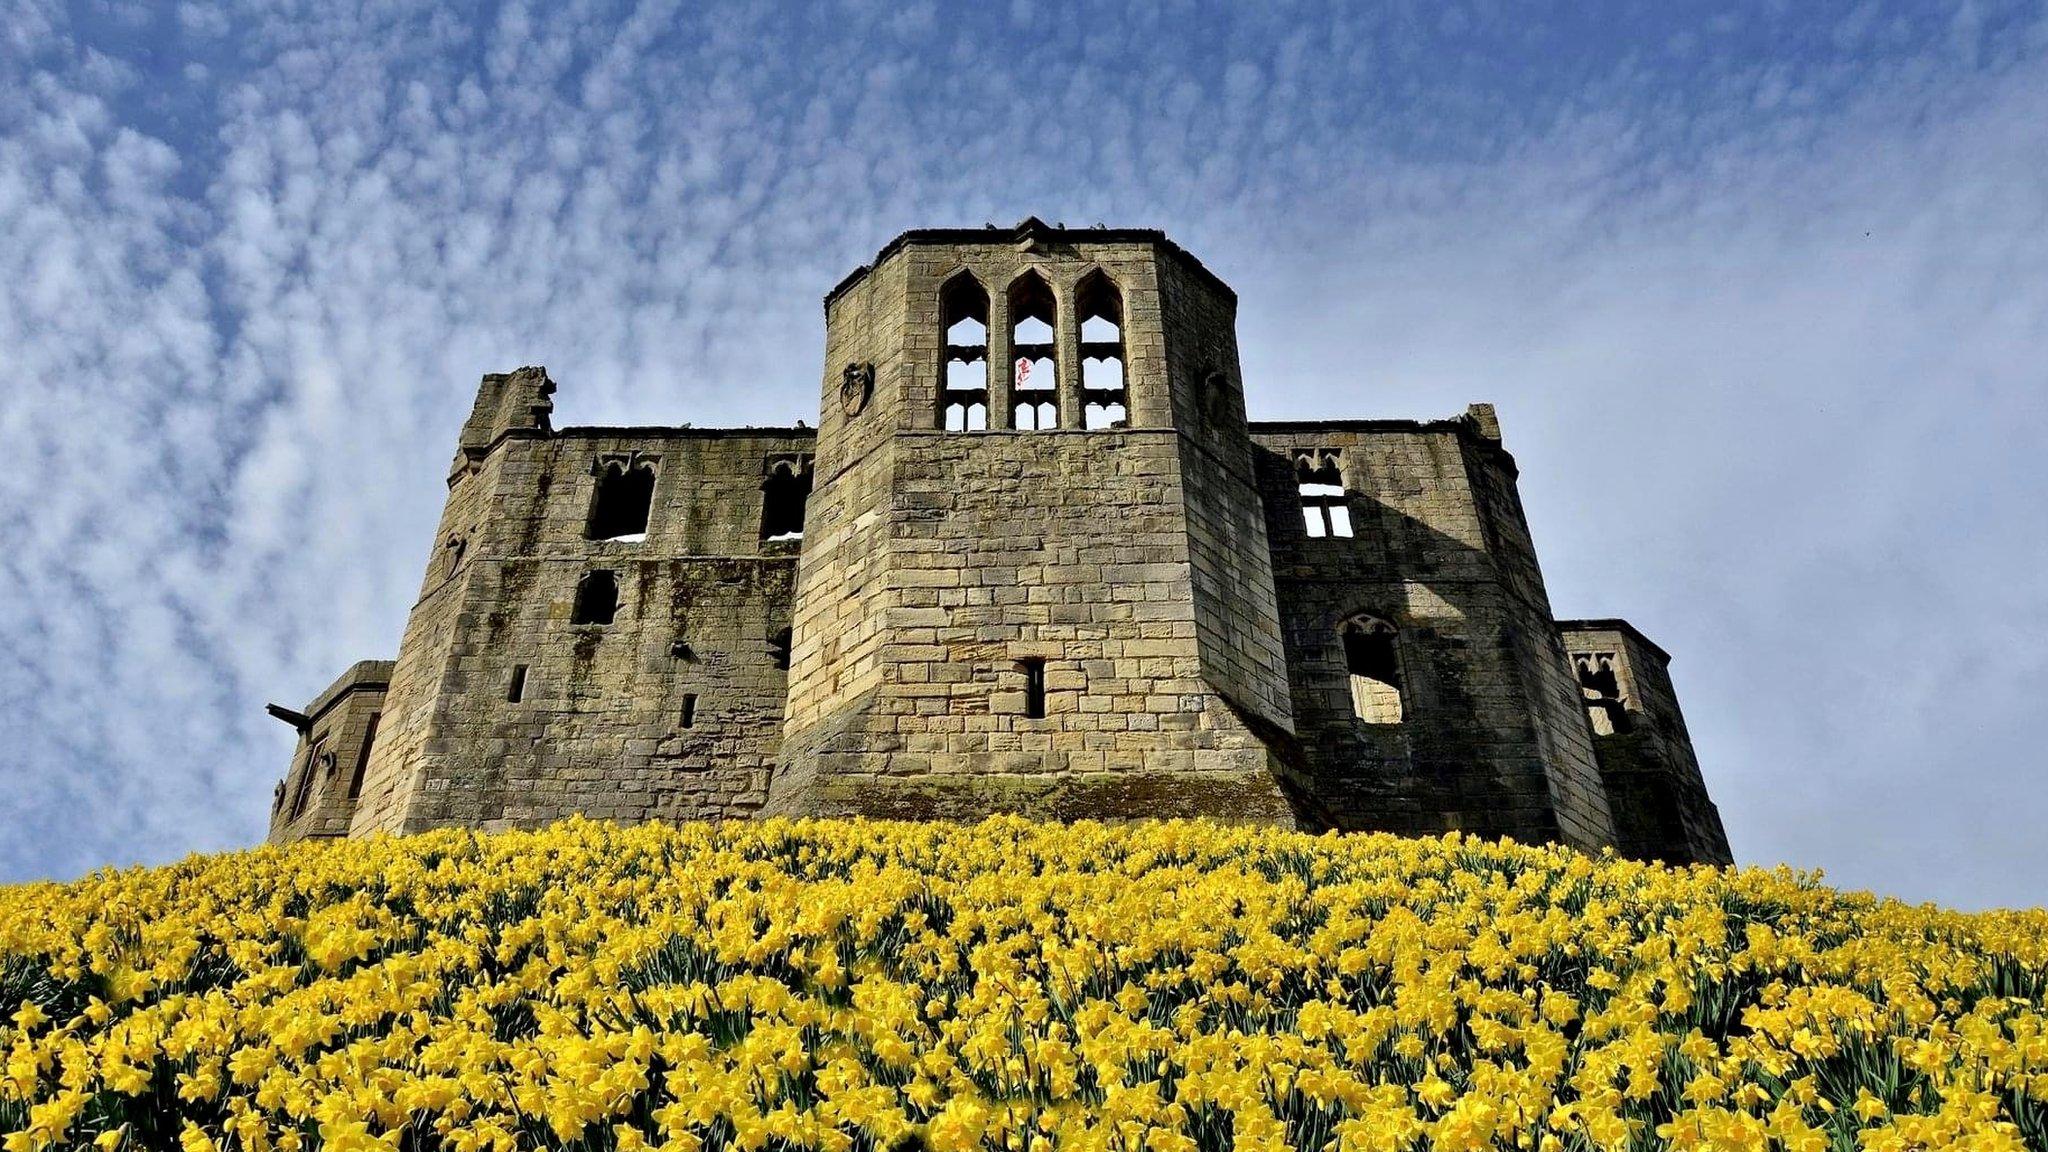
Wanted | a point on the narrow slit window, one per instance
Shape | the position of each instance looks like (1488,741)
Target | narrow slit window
(1033,670)
(779,648)
(516,691)
(315,756)
(689,709)
(624,497)
(597,598)
(783,496)
(963,313)
(355,780)
(1101,308)
(1325,508)
(1372,659)
(1034,380)
(1600,685)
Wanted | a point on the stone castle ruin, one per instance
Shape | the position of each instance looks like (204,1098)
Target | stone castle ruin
(1034,558)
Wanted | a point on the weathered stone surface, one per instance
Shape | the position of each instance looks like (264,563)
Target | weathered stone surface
(1660,802)
(1072,621)
(317,797)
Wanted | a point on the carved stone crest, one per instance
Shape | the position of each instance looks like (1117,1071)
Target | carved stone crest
(856,384)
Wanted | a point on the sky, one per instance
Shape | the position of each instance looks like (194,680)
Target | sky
(1760,290)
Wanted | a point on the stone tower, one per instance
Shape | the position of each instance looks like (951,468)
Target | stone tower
(1034,559)
(1060,610)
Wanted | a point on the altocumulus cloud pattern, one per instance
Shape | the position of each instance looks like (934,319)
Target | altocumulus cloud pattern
(1762,295)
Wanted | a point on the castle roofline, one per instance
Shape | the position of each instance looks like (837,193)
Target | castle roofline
(363,675)
(683,432)
(1389,424)
(1029,229)
(1615,625)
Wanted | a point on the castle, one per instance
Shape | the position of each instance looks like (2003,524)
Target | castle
(1034,558)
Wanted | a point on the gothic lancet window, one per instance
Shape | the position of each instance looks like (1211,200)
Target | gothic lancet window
(784,493)
(1325,510)
(1372,659)
(1101,308)
(624,497)
(1035,384)
(597,598)
(963,392)
(1600,685)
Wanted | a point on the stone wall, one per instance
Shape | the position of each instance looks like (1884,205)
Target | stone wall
(939,565)
(509,407)
(337,732)
(1661,807)
(1491,741)
(673,709)
(1237,619)
(990,550)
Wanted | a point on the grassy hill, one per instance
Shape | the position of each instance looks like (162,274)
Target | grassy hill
(1009,986)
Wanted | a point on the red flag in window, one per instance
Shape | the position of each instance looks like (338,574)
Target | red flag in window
(1023,369)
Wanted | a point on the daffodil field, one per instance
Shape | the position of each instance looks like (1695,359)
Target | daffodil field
(1008,986)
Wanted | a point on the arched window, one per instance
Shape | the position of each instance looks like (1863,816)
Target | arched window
(1034,388)
(1372,658)
(624,496)
(597,598)
(1325,510)
(1101,309)
(783,496)
(1600,684)
(963,318)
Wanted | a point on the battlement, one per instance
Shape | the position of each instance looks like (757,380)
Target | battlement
(1034,558)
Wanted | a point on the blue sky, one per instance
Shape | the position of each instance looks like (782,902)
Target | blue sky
(1761,292)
